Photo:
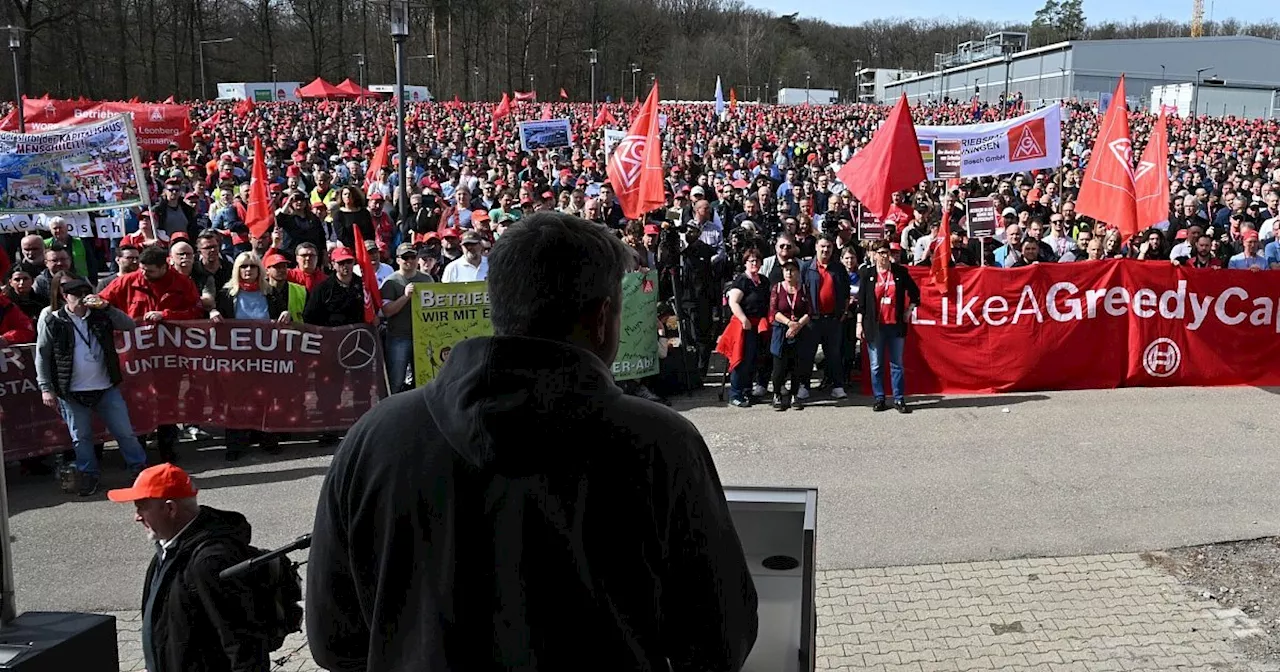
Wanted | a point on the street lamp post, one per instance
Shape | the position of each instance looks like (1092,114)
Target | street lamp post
(15,45)
(634,91)
(1195,96)
(360,64)
(204,87)
(274,85)
(593,59)
(398,17)
(807,77)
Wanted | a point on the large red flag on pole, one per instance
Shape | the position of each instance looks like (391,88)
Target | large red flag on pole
(1107,193)
(378,161)
(502,110)
(890,162)
(1151,179)
(635,168)
(258,217)
(368,279)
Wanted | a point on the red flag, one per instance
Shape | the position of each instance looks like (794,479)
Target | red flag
(168,101)
(502,110)
(258,217)
(635,168)
(546,111)
(890,162)
(1107,192)
(368,279)
(563,95)
(245,106)
(212,121)
(603,118)
(940,255)
(733,99)
(1151,178)
(378,161)
(526,96)
(730,344)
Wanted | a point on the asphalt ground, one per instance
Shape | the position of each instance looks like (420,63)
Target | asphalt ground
(960,479)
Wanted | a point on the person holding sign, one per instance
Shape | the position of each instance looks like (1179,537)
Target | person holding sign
(487,489)
(886,294)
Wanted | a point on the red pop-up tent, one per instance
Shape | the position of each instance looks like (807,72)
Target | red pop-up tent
(353,90)
(321,89)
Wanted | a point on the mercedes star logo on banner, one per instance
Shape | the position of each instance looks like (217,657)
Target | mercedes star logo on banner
(357,349)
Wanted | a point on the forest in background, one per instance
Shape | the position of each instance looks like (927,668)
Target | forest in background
(475,49)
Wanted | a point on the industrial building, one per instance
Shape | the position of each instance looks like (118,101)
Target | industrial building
(872,82)
(1232,75)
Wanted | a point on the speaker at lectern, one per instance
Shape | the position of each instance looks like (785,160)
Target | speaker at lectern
(778,528)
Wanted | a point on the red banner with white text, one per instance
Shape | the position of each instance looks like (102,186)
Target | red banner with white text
(1093,325)
(242,375)
(154,124)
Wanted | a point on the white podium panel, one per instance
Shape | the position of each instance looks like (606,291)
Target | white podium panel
(778,528)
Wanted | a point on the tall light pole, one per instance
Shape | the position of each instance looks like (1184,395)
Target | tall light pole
(593,57)
(274,85)
(204,88)
(360,64)
(807,77)
(857,78)
(1195,96)
(635,69)
(410,60)
(398,15)
(15,45)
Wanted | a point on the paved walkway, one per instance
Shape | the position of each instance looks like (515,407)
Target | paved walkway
(1100,613)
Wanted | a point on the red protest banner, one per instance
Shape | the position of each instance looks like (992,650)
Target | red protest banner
(243,375)
(1093,325)
(154,124)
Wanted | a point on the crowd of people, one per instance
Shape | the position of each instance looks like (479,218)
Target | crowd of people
(757,228)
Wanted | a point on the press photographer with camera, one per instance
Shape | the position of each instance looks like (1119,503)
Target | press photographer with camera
(689,272)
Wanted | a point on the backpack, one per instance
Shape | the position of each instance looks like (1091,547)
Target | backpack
(277,590)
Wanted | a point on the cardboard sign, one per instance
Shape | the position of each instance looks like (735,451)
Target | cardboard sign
(981,217)
(947,159)
(545,134)
(870,227)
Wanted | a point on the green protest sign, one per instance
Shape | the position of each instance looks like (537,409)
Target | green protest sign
(638,346)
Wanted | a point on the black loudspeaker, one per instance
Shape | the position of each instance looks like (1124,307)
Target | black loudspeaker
(43,641)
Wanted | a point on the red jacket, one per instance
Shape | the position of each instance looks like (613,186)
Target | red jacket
(15,326)
(174,295)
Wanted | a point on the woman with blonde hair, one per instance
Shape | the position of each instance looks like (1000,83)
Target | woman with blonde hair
(244,298)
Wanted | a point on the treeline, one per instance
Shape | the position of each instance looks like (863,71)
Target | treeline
(116,49)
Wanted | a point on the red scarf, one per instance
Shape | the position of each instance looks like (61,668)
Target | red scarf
(254,286)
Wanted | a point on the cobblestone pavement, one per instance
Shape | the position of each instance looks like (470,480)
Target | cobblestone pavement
(1097,613)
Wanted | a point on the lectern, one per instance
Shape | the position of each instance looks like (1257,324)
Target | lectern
(778,528)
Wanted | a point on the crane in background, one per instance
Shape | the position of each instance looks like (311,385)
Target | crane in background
(1197,18)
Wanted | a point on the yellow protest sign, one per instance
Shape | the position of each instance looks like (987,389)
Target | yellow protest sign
(445,314)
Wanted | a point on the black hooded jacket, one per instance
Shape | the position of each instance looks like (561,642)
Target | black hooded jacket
(521,513)
(196,622)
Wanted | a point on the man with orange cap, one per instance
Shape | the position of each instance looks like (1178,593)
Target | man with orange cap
(193,621)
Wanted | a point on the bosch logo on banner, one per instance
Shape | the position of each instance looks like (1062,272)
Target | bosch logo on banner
(1162,358)
(1027,141)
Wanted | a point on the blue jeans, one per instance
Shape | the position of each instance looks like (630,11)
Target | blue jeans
(115,414)
(399,357)
(893,343)
(742,377)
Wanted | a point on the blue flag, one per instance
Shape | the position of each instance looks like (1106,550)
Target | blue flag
(719,98)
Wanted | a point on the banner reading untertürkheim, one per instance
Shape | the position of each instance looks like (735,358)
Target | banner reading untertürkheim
(1032,141)
(638,345)
(76,169)
(445,314)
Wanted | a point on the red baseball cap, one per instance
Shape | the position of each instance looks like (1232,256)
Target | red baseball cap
(274,259)
(652,229)
(163,481)
(341,254)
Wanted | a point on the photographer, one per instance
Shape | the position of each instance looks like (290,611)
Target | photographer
(696,283)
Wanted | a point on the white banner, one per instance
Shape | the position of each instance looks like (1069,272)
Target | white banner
(1032,141)
(73,169)
(612,137)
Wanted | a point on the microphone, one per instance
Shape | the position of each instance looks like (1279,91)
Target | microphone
(249,565)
